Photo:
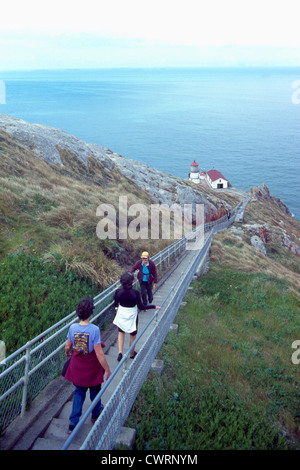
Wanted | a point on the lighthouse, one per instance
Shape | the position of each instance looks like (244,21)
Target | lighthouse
(194,173)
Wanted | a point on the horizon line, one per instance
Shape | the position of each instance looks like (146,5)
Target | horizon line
(223,66)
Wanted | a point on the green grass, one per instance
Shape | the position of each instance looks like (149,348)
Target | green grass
(33,296)
(228,381)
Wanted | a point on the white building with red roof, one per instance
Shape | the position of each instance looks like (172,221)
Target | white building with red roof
(216,180)
(213,178)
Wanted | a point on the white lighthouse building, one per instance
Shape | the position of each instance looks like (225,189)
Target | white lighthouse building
(213,178)
(194,173)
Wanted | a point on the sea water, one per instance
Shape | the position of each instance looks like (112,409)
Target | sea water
(243,122)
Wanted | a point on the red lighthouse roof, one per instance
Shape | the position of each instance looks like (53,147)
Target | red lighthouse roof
(194,163)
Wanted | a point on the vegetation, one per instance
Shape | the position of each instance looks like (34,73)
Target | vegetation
(228,381)
(34,296)
(50,255)
(235,250)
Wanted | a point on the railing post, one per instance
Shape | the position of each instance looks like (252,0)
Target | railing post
(125,367)
(156,316)
(26,377)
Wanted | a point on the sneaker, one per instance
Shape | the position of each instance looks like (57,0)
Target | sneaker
(71,428)
(119,357)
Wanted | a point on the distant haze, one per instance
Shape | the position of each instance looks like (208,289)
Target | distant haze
(148,34)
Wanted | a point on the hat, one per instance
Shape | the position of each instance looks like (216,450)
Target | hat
(145,254)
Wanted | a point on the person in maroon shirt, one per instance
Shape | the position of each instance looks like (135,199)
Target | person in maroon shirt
(88,362)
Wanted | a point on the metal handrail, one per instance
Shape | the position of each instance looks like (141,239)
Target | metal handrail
(197,255)
(23,356)
(125,357)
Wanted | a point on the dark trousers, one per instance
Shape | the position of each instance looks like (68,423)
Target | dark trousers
(78,400)
(146,290)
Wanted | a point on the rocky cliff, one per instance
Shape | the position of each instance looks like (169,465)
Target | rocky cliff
(57,147)
(60,180)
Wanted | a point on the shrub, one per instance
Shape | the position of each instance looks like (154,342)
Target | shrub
(33,296)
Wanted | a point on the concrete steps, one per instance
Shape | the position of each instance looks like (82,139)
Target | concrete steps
(53,434)
(56,433)
(45,424)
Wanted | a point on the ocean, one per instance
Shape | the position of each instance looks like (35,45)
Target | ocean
(243,122)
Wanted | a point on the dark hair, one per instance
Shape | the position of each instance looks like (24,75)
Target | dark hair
(127,280)
(85,308)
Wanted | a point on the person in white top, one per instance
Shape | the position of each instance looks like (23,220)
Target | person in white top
(127,302)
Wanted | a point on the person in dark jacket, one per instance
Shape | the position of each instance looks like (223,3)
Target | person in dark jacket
(147,276)
(127,303)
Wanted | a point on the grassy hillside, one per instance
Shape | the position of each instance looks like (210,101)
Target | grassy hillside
(229,381)
(50,208)
(233,248)
(50,255)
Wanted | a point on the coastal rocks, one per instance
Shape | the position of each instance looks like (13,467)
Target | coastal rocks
(257,243)
(160,186)
(263,193)
(58,147)
(46,141)
(216,213)
(262,234)
(259,236)
(166,189)
(261,231)
(290,245)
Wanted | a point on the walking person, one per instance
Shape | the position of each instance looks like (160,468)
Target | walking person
(147,276)
(88,363)
(127,302)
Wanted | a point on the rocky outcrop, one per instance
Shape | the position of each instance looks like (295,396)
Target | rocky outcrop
(261,231)
(262,234)
(258,244)
(46,141)
(289,244)
(263,193)
(54,146)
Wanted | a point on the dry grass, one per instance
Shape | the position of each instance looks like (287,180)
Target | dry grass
(228,250)
(44,204)
(50,210)
(80,260)
(269,213)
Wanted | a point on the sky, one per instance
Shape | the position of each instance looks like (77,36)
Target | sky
(140,33)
